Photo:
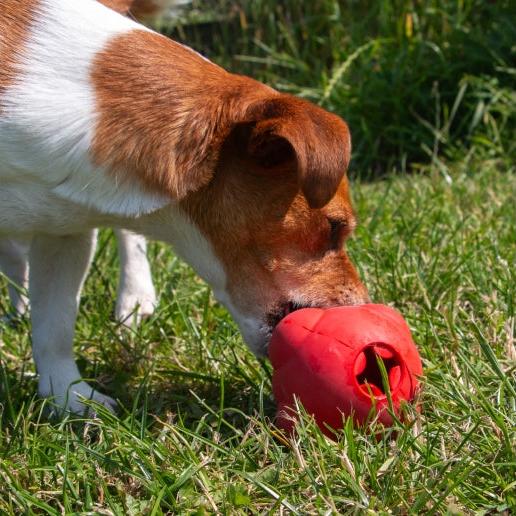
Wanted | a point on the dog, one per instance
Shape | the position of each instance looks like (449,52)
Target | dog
(104,122)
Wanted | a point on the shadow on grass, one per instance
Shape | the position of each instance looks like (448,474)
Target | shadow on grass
(188,398)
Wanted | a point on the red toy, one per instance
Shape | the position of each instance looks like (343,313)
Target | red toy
(328,360)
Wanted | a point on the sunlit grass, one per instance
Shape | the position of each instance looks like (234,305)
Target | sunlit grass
(193,433)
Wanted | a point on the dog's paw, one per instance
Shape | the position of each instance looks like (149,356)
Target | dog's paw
(133,305)
(73,398)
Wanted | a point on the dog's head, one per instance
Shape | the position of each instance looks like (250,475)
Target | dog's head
(260,174)
(277,213)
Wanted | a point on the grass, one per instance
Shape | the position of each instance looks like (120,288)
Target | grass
(194,432)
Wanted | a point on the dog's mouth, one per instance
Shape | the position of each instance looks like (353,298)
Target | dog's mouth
(275,316)
(271,320)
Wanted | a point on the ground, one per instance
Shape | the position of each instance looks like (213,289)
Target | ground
(194,435)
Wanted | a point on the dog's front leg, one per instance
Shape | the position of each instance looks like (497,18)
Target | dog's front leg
(136,297)
(58,266)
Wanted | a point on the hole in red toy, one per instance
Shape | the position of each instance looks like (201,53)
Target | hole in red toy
(368,374)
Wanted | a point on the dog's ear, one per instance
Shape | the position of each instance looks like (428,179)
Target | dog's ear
(285,128)
(277,133)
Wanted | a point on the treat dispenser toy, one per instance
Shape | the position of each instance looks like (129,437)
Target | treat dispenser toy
(328,359)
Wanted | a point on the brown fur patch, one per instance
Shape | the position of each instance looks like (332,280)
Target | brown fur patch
(16,18)
(164,111)
(120,6)
(320,141)
(143,9)
(274,247)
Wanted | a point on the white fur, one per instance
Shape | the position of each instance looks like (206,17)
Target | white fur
(51,191)
(51,111)
(58,266)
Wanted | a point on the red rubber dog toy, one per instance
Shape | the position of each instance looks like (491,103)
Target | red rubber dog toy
(328,360)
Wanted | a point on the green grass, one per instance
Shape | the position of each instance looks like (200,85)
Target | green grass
(194,433)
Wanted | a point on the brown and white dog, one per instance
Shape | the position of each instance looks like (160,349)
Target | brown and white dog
(106,123)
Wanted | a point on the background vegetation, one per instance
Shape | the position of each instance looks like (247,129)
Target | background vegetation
(416,80)
(428,87)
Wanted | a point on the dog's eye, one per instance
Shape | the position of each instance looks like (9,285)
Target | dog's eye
(338,232)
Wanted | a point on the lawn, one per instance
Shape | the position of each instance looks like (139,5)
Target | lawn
(194,432)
